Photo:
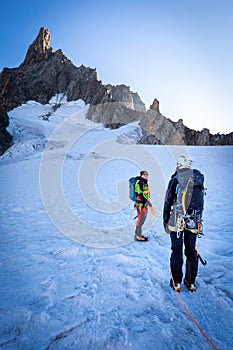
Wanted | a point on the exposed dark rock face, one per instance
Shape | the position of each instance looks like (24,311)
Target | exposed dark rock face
(204,138)
(5,137)
(45,73)
(113,114)
(156,129)
(122,93)
(160,130)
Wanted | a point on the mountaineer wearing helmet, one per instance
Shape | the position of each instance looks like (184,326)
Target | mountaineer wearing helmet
(142,190)
(182,218)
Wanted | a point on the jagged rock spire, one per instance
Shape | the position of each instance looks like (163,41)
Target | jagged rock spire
(40,48)
(155,105)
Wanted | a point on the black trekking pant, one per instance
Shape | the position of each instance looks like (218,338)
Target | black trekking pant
(176,260)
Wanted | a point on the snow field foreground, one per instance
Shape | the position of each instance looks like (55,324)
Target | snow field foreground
(71,275)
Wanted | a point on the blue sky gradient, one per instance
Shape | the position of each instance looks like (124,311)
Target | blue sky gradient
(179,51)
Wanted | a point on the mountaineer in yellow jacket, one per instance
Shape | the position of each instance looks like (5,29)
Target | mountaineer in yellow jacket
(142,203)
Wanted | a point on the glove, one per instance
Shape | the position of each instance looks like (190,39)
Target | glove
(149,204)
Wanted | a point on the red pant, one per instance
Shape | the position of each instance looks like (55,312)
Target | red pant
(142,214)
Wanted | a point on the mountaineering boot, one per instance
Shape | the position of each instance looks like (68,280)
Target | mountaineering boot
(190,286)
(175,286)
(140,238)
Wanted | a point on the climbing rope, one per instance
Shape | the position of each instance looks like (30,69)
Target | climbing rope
(195,322)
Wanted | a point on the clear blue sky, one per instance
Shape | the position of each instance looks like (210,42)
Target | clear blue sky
(178,51)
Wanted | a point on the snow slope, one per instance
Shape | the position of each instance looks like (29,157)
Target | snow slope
(71,275)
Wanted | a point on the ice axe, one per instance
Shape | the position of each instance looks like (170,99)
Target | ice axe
(204,262)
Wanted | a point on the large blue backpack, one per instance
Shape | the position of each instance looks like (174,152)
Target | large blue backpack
(132,193)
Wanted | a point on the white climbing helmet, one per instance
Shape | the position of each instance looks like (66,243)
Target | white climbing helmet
(184,162)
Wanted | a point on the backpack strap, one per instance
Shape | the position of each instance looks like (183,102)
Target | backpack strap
(190,181)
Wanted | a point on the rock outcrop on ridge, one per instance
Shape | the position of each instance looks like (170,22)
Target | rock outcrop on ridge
(5,137)
(156,128)
(45,73)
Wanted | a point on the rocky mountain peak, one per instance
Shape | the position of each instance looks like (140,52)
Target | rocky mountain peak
(40,48)
(45,73)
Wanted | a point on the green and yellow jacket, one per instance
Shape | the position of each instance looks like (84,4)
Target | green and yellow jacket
(142,190)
